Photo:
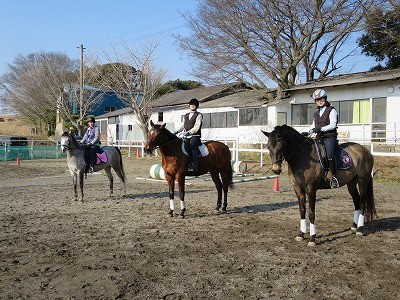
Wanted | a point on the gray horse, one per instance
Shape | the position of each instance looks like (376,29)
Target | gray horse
(77,165)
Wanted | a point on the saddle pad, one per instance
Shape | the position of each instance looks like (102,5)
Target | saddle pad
(203,150)
(101,158)
(342,157)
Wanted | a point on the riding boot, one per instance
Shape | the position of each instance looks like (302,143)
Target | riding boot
(194,167)
(332,167)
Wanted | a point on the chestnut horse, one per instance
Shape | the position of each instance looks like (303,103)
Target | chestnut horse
(175,164)
(306,173)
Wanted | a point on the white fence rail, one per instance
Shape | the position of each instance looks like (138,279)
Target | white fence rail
(260,148)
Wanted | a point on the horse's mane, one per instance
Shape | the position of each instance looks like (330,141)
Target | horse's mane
(168,133)
(290,133)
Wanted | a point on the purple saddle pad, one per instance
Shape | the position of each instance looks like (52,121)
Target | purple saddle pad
(101,158)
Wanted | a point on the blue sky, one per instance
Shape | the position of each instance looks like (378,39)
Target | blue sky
(61,26)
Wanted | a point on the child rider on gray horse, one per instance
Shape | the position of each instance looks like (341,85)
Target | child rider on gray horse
(92,141)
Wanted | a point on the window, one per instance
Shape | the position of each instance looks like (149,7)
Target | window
(253,116)
(160,117)
(350,112)
(103,126)
(109,108)
(361,112)
(345,111)
(112,120)
(220,119)
(302,114)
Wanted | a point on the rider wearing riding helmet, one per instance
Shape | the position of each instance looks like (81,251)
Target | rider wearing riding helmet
(190,128)
(325,126)
(92,141)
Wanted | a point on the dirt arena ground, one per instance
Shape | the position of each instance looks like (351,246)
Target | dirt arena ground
(128,248)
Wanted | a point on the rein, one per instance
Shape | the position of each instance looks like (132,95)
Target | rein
(287,157)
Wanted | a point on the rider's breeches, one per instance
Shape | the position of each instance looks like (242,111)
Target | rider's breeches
(330,143)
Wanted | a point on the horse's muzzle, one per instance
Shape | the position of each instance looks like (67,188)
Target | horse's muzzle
(276,168)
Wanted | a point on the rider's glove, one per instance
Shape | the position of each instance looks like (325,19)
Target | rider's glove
(186,133)
(315,130)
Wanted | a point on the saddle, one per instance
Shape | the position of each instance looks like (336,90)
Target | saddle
(342,157)
(203,150)
(101,156)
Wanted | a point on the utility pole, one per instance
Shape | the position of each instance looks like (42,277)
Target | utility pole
(81,91)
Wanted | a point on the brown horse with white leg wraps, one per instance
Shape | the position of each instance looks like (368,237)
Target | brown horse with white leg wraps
(306,173)
(175,164)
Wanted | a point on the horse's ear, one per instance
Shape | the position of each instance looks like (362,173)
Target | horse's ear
(162,126)
(151,123)
(266,133)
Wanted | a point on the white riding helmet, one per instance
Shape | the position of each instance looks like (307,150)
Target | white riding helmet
(319,94)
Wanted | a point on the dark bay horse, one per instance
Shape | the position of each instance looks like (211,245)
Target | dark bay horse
(175,165)
(77,165)
(306,173)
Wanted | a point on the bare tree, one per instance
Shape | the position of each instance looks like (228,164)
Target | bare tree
(134,78)
(69,104)
(269,41)
(32,86)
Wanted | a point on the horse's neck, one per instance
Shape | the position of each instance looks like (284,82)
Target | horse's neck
(171,147)
(295,145)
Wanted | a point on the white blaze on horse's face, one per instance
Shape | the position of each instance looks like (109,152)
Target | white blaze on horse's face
(64,142)
(149,147)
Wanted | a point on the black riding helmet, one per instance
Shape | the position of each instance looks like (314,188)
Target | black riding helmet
(91,120)
(194,101)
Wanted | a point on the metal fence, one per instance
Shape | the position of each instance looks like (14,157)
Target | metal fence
(36,149)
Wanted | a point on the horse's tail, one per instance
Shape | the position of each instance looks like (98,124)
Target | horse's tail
(230,176)
(370,211)
(121,164)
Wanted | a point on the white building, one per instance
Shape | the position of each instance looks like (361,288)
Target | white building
(367,102)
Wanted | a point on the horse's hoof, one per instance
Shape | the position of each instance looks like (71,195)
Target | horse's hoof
(353,227)
(311,244)
(224,210)
(182,213)
(171,213)
(110,195)
(216,212)
(360,231)
(299,238)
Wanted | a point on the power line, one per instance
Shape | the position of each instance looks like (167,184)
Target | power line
(141,29)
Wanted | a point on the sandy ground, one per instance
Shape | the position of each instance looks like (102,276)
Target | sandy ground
(52,247)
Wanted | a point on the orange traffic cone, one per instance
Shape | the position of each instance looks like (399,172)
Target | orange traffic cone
(276,185)
(137,153)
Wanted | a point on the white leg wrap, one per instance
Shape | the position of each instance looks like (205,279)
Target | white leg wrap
(356,216)
(171,204)
(303,225)
(361,220)
(183,204)
(313,229)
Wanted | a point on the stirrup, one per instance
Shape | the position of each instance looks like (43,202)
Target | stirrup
(91,170)
(191,168)
(334,182)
